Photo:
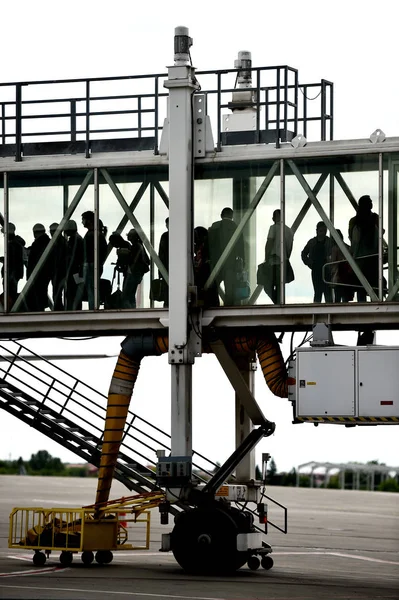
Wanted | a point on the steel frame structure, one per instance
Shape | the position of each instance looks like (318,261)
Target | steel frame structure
(285,154)
(277,167)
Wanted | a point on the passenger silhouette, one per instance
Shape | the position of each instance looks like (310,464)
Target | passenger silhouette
(163,253)
(88,253)
(202,269)
(37,298)
(57,260)
(15,262)
(363,236)
(220,233)
(341,273)
(315,255)
(138,263)
(74,267)
(273,257)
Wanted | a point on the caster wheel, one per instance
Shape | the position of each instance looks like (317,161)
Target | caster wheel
(66,558)
(87,557)
(107,557)
(39,559)
(267,562)
(104,557)
(253,563)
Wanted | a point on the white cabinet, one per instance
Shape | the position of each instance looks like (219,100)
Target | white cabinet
(325,384)
(347,382)
(378,382)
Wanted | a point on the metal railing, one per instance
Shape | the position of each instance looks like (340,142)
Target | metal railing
(81,115)
(57,393)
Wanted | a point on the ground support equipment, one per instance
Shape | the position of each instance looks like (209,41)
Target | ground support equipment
(95,532)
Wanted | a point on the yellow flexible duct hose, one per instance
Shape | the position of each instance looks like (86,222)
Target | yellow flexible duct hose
(119,395)
(125,375)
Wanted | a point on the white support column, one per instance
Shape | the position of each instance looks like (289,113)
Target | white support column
(245,470)
(181,85)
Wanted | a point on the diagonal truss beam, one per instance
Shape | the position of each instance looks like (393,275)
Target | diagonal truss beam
(294,227)
(345,188)
(247,215)
(162,193)
(238,382)
(119,196)
(305,208)
(133,205)
(351,261)
(68,214)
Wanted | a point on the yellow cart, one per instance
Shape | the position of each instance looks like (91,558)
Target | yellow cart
(94,531)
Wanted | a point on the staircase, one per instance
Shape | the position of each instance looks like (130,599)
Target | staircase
(72,413)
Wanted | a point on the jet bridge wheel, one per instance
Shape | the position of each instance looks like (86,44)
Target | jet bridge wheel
(204,540)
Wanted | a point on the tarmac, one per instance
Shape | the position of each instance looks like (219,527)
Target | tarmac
(340,545)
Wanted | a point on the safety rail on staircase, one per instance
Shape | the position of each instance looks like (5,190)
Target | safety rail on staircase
(57,400)
(72,413)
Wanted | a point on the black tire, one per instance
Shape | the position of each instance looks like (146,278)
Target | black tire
(87,557)
(267,562)
(39,559)
(66,558)
(253,563)
(107,557)
(204,541)
(104,557)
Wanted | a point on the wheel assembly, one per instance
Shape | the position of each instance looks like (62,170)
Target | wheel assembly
(39,558)
(267,562)
(87,557)
(66,558)
(253,563)
(104,557)
(204,540)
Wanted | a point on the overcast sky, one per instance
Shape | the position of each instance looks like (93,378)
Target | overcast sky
(352,44)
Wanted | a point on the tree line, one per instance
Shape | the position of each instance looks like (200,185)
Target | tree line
(41,463)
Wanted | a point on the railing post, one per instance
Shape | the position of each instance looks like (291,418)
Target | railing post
(3,123)
(331,111)
(156,116)
(257,135)
(87,119)
(18,122)
(219,113)
(278,108)
(305,111)
(285,102)
(139,116)
(296,104)
(323,110)
(73,120)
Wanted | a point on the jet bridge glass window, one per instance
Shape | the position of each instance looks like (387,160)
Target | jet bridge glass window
(309,191)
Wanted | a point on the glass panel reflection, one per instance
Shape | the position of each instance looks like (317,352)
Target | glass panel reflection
(261,236)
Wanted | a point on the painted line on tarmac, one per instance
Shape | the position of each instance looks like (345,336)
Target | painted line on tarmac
(133,553)
(32,572)
(340,554)
(109,592)
(25,558)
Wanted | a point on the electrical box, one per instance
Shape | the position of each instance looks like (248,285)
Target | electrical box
(173,470)
(378,382)
(348,385)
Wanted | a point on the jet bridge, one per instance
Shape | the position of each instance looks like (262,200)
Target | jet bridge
(255,143)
